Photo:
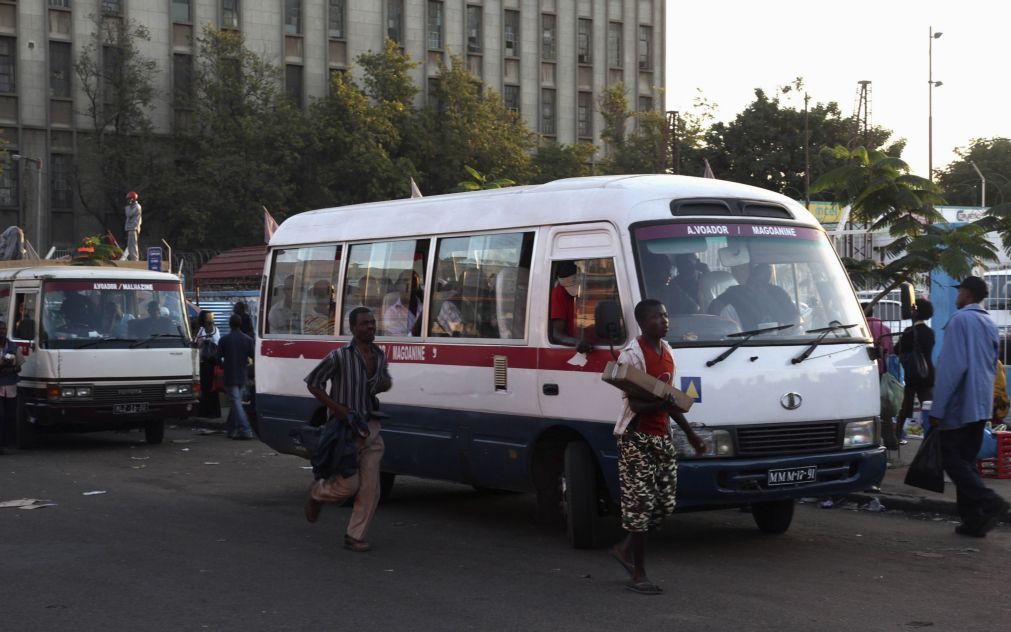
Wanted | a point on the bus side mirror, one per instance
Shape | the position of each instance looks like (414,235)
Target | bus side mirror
(908,300)
(608,322)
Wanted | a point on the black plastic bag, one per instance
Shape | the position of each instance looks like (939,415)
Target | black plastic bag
(927,469)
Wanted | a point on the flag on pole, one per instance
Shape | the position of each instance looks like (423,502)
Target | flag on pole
(708,173)
(269,226)
(415,191)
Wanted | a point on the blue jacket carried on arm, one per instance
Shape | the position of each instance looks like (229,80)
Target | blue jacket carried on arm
(963,375)
(332,447)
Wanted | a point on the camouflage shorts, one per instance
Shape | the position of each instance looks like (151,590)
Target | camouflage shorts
(648,477)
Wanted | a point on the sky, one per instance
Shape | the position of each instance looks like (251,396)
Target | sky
(727,48)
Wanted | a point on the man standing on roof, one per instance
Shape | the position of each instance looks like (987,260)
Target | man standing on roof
(132,226)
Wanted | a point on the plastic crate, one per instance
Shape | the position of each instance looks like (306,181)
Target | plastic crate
(999,466)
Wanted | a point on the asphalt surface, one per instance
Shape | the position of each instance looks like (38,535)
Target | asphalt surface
(204,533)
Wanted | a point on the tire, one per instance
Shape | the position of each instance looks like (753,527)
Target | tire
(154,431)
(579,493)
(773,517)
(25,433)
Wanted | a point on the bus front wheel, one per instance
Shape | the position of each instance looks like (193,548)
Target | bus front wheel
(774,516)
(154,431)
(579,491)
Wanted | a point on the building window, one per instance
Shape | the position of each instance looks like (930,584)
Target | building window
(293,84)
(8,180)
(8,63)
(59,70)
(182,11)
(548,37)
(473,29)
(584,42)
(512,33)
(182,79)
(112,73)
(395,20)
(584,115)
(645,48)
(59,4)
(548,112)
(336,17)
(433,93)
(230,14)
(60,195)
(112,7)
(293,17)
(435,25)
(614,46)
(511,97)
(645,104)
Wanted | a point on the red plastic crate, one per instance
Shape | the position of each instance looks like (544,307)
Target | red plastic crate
(999,466)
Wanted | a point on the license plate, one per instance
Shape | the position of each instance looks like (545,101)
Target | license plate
(794,475)
(127,409)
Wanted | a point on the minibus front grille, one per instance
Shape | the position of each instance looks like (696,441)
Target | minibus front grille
(788,439)
(125,393)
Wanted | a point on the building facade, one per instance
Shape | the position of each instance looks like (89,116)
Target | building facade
(548,59)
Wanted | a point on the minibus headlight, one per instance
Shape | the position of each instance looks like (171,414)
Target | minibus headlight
(185,389)
(83,391)
(171,389)
(719,443)
(859,434)
(67,391)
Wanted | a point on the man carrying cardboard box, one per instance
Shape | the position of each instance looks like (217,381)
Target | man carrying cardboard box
(647,458)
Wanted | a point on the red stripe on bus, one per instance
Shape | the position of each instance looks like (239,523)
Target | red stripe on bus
(549,359)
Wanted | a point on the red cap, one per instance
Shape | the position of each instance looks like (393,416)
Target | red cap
(132,195)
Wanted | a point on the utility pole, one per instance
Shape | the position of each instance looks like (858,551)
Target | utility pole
(807,155)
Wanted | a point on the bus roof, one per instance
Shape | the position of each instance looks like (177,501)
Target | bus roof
(621,199)
(31,271)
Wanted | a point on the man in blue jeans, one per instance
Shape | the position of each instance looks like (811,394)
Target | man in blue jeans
(963,403)
(235,351)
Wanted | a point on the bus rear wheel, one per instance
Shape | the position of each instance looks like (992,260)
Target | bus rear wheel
(579,493)
(154,431)
(26,434)
(773,517)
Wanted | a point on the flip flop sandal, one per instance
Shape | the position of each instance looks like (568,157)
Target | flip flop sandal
(358,546)
(644,588)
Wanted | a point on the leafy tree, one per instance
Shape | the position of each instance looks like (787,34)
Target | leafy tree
(471,126)
(479,182)
(644,148)
(242,149)
(884,195)
(554,161)
(962,185)
(119,153)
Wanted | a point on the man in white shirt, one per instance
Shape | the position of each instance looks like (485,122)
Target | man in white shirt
(280,315)
(402,308)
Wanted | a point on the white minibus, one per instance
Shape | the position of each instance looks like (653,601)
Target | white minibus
(768,335)
(106,348)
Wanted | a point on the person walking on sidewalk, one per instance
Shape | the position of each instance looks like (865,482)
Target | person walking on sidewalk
(207,340)
(235,351)
(356,373)
(917,339)
(963,401)
(647,458)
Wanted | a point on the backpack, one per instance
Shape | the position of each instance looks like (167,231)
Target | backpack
(914,363)
(208,350)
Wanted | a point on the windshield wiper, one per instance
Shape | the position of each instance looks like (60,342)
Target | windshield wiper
(744,337)
(152,338)
(834,326)
(98,341)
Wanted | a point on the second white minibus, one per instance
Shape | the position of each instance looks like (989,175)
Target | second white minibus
(768,335)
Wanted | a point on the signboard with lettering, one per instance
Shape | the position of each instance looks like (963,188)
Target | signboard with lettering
(154,258)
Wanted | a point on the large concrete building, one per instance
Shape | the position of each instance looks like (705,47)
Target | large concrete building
(548,59)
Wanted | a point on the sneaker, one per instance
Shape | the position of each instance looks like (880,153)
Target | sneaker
(243,437)
(993,517)
(903,442)
(966,530)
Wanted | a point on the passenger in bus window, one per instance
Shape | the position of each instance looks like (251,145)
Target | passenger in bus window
(449,320)
(563,307)
(319,319)
(24,324)
(114,322)
(756,301)
(690,271)
(402,307)
(660,285)
(281,314)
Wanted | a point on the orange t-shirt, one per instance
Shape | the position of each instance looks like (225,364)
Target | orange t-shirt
(661,367)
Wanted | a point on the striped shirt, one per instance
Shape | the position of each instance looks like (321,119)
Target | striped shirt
(350,385)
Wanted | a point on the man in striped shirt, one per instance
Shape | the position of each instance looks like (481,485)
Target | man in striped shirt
(357,373)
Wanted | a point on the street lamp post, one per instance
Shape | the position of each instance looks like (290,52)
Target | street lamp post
(982,200)
(931,84)
(38,198)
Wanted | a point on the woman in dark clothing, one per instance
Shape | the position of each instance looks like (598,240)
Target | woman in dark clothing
(207,351)
(242,310)
(918,338)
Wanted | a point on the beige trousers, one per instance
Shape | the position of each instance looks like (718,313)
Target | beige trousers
(365,484)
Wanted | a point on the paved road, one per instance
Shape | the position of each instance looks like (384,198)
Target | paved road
(209,535)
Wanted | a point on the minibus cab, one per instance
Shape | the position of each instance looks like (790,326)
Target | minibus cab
(768,336)
(106,348)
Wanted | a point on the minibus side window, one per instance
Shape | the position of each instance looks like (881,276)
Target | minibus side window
(5,304)
(302,298)
(480,288)
(388,278)
(24,316)
(593,281)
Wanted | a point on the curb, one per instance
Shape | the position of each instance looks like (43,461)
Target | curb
(915,504)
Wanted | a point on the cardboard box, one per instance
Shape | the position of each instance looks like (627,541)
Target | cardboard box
(642,385)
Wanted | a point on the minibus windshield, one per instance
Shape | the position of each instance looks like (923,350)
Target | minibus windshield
(114,313)
(721,278)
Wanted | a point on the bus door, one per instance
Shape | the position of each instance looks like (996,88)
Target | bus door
(24,326)
(569,385)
